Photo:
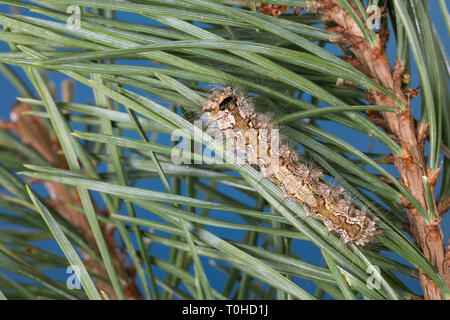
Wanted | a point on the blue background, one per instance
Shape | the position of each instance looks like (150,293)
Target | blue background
(306,251)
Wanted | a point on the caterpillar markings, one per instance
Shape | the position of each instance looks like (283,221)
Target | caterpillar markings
(230,113)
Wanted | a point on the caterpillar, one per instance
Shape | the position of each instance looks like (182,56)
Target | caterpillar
(231,113)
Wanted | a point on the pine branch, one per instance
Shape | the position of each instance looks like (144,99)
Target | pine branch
(32,131)
(412,164)
(184,56)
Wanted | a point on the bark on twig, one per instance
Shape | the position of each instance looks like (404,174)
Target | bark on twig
(444,206)
(373,62)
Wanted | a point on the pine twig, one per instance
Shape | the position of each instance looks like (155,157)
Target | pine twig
(32,131)
(412,166)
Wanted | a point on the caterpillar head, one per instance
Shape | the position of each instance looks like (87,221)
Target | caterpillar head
(222,100)
(227,109)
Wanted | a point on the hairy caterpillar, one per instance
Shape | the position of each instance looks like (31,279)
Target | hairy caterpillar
(236,118)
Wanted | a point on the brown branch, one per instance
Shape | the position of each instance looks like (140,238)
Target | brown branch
(32,131)
(389,159)
(443,206)
(373,62)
